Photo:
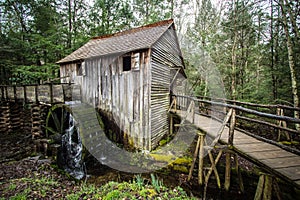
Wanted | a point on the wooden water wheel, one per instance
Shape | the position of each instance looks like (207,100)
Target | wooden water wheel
(62,129)
(57,120)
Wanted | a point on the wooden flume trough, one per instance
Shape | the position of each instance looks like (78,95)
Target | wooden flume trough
(45,94)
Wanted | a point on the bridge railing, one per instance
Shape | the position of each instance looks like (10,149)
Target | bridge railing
(265,122)
(46,93)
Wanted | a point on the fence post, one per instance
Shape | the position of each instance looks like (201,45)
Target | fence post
(283,124)
(231,128)
(228,154)
(175,103)
(193,111)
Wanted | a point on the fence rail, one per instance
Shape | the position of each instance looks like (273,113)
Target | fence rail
(279,125)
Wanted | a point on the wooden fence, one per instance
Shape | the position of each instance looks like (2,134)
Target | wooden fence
(272,117)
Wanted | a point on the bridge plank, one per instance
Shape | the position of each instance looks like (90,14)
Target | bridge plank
(277,163)
(293,172)
(245,141)
(247,148)
(270,154)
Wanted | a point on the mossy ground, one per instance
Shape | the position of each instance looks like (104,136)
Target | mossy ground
(129,190)
(39,179)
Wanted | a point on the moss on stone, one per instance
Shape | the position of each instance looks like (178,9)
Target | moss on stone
(183,161)
(163,158)
(181,168)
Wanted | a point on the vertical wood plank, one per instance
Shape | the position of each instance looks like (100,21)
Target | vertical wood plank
(201,159)
(260,188)
(227,171)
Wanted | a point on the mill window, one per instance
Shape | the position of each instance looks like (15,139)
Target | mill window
(126,63)
(79,69)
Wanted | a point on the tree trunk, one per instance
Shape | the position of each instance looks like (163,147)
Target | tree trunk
(233,68)
(293,21)
(291,62)
(70,24)
(233,58)
(274,88)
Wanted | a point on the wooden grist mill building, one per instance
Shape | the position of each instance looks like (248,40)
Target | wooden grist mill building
(129,76)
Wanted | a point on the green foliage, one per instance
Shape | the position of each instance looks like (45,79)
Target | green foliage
(152,11)
(245,43)
(32,74)
(43,186)
(114,190)
(156,183)
(115,194)
(139,181)
(110,16)
(21,196)
(12,186)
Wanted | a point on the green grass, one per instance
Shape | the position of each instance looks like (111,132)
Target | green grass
(21,196)
(138,188)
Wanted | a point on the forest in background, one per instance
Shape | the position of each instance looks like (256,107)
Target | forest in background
(254,44)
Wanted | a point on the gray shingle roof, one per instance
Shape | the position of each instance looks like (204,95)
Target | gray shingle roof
(126,41)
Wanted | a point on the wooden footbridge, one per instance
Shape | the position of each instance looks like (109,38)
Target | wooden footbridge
(222,120)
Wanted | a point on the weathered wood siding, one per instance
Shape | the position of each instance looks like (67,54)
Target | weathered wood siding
(125,95)
(69,72)
(165,55)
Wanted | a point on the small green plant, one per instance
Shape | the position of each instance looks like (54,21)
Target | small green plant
(115,194)
(156,183)
(73,196)
(12,186)
(139,181)
(21,196)
(43,192)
